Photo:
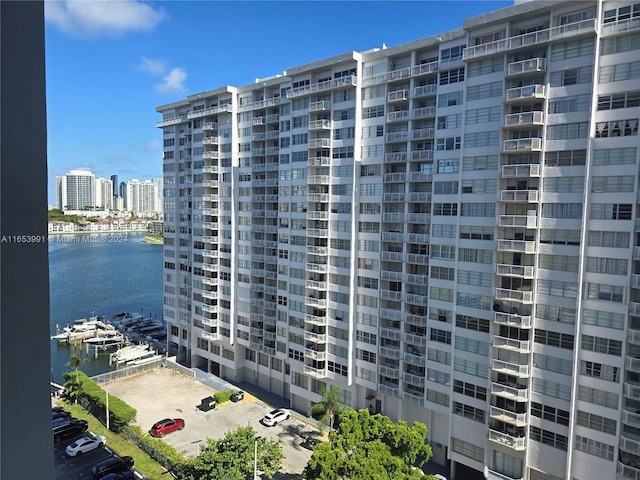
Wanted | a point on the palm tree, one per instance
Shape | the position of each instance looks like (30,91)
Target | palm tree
(329,407)
(75,363)
(72,387)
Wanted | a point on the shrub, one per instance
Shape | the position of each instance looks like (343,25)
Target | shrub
(224,396)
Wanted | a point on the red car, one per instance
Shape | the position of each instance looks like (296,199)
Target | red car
(168,425)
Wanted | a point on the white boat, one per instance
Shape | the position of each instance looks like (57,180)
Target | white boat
(81,330)
(106,338)
(147,358)
(130,353)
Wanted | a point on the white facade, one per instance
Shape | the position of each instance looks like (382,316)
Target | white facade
(104,193)
(141,197)
(76,190)
(445,229)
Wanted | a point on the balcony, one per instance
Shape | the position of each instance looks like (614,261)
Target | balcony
(407,72)
(629,445)
(517,419)
(350,80)
(522,145)
(315,302)
(318,320)
(527,119)
(315,250)
(391,295)
(526,221)
(397,136)
(630,418)
(398,96)
(633,336)
(318,197)
(320,143)
(400,115)
(315,354)
(414,398)
(392,353)
(319,215)
(417,155)
(391,314)
(210,336)
(393,256)
(416,320)
(526,196)
(320,125)
(520,171)
(317,267)
(389,390)
(512,344)
(395,177)
(210,126)
(321,106)
(516,246)
(414,339)
(315,372)
(516,443)
(417,360)
(417,380)
(632,363)
(524,296)
(521,371)
(532,65)
(390,372)
(319,161)
(424,112)
(312,284)
(210,111)
(491,475)
(210,155)
(210,140)
(620,26)
(423,134)
(628,471)
(520,271)
(315,337)
(395,157)
(424,90)
(416,280)
(530,39)
(421,197)
(390,333)
(511,393)
(418,238)
(526,93)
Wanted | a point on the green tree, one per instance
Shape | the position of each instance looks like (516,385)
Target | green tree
(329,407)
(74,362)
(72,386)
(366,446)
(232,457)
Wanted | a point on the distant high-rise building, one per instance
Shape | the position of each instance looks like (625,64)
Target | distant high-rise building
(141,197)
(114,181)
(159,201)
(123,189)
(76,190)
(446,230)
(104,191)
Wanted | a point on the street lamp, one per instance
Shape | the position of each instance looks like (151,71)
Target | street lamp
(107,404)
(255,458)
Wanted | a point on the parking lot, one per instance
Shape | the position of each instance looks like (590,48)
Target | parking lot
(162,393)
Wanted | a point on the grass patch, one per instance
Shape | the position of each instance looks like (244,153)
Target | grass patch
(122,446)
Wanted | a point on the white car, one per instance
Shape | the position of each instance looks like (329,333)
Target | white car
(275,417)
(86,444)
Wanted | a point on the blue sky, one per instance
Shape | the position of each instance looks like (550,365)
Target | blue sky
(109,64)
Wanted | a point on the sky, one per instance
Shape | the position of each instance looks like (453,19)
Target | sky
(110,63)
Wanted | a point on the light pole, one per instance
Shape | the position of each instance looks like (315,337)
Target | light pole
(107,404)
(255,458)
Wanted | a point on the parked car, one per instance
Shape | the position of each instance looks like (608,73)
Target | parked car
(114,464)
(60,414)
(237,396)
(310,442)
(86,444)
(168,425)
(124,475)
(72,427)
(275,417)
(62,420)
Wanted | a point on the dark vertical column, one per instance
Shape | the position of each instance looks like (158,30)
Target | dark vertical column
(26,444)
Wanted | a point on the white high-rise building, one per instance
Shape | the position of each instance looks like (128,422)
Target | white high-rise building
(141,197)
(446,229)
(76,190)
(104,194)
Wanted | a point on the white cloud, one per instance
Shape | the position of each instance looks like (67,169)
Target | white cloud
(172,82)
(154,67)
(95,18)
(152,146)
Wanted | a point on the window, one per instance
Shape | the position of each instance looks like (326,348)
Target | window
(445,188)
(366,337)
(571,76)
(623,13)
(472,368)
(452,53)
(471,345)
(443,294)
(547,437)
(564,184)
(556,314)
(614,101)
(474,301)
(611,211)
(446,252)
(603,398)
(565,158)
(617,128)
(619,73)
(615,156)
(442,273)
(450,165)
(367,151)
(450,99)
(595,448)
(560,237)
(478,210)
(554,339)
(553,364)
(567,131)
(374,170)
(603,319)
(344,114)
(558,288)
(578,103)
(450,121)
(470,390)
(373,131)
(452,76)
(365,355)
(483,115)
(577,48)
(552,389)
(369,208)
(447,209)
(342,152)
(472,323)
(443,231)
(475,255)
(487,90)
(563,263)
(485,67)
(599,370)
(344,95)
(367,282)
(562,210)
(610,266)
(337,368)
(479,279)
(602,345)
(482,139)
(373,112)
(469,412)
(483,162)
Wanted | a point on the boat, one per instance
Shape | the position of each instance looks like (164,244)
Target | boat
(130,353)
(106,339)
(123,321)
(147,358)
(82,329)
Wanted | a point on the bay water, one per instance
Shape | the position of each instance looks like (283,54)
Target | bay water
(101,274)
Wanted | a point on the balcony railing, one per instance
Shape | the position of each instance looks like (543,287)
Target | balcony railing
(397,96)
(529,39)
(210,111)
(511,368)
(397,136)
(521,271)
(395,157)
(319,161)
(627,471)
(319,106)
(391,372)
(315,337)
(491,475)
(401,73)
(620,26)
(315,354)
(421,155)
(417,360)
(528,196)
(395,177)
(398,116)
(320,143)
(531,65)
(526,221)
(414,339)
(521,346)
(522,145)
(526,119)
(315,319)
(518,419)
(512,393)
(320,124)
(423,134)
(269,102)
(390,333)
(424,112)
(417,380)
(417,320)
(517,443)
(629,445)
(388,352)
(315,372)
(529,92)
(630,418)
(349,80)
(516,246)
(523,296)
(632,363)
(633,336)
(389,390)
(424,90)
(525,170)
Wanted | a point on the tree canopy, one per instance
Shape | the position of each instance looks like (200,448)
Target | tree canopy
(232,457)
(329,407)
(369,446)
